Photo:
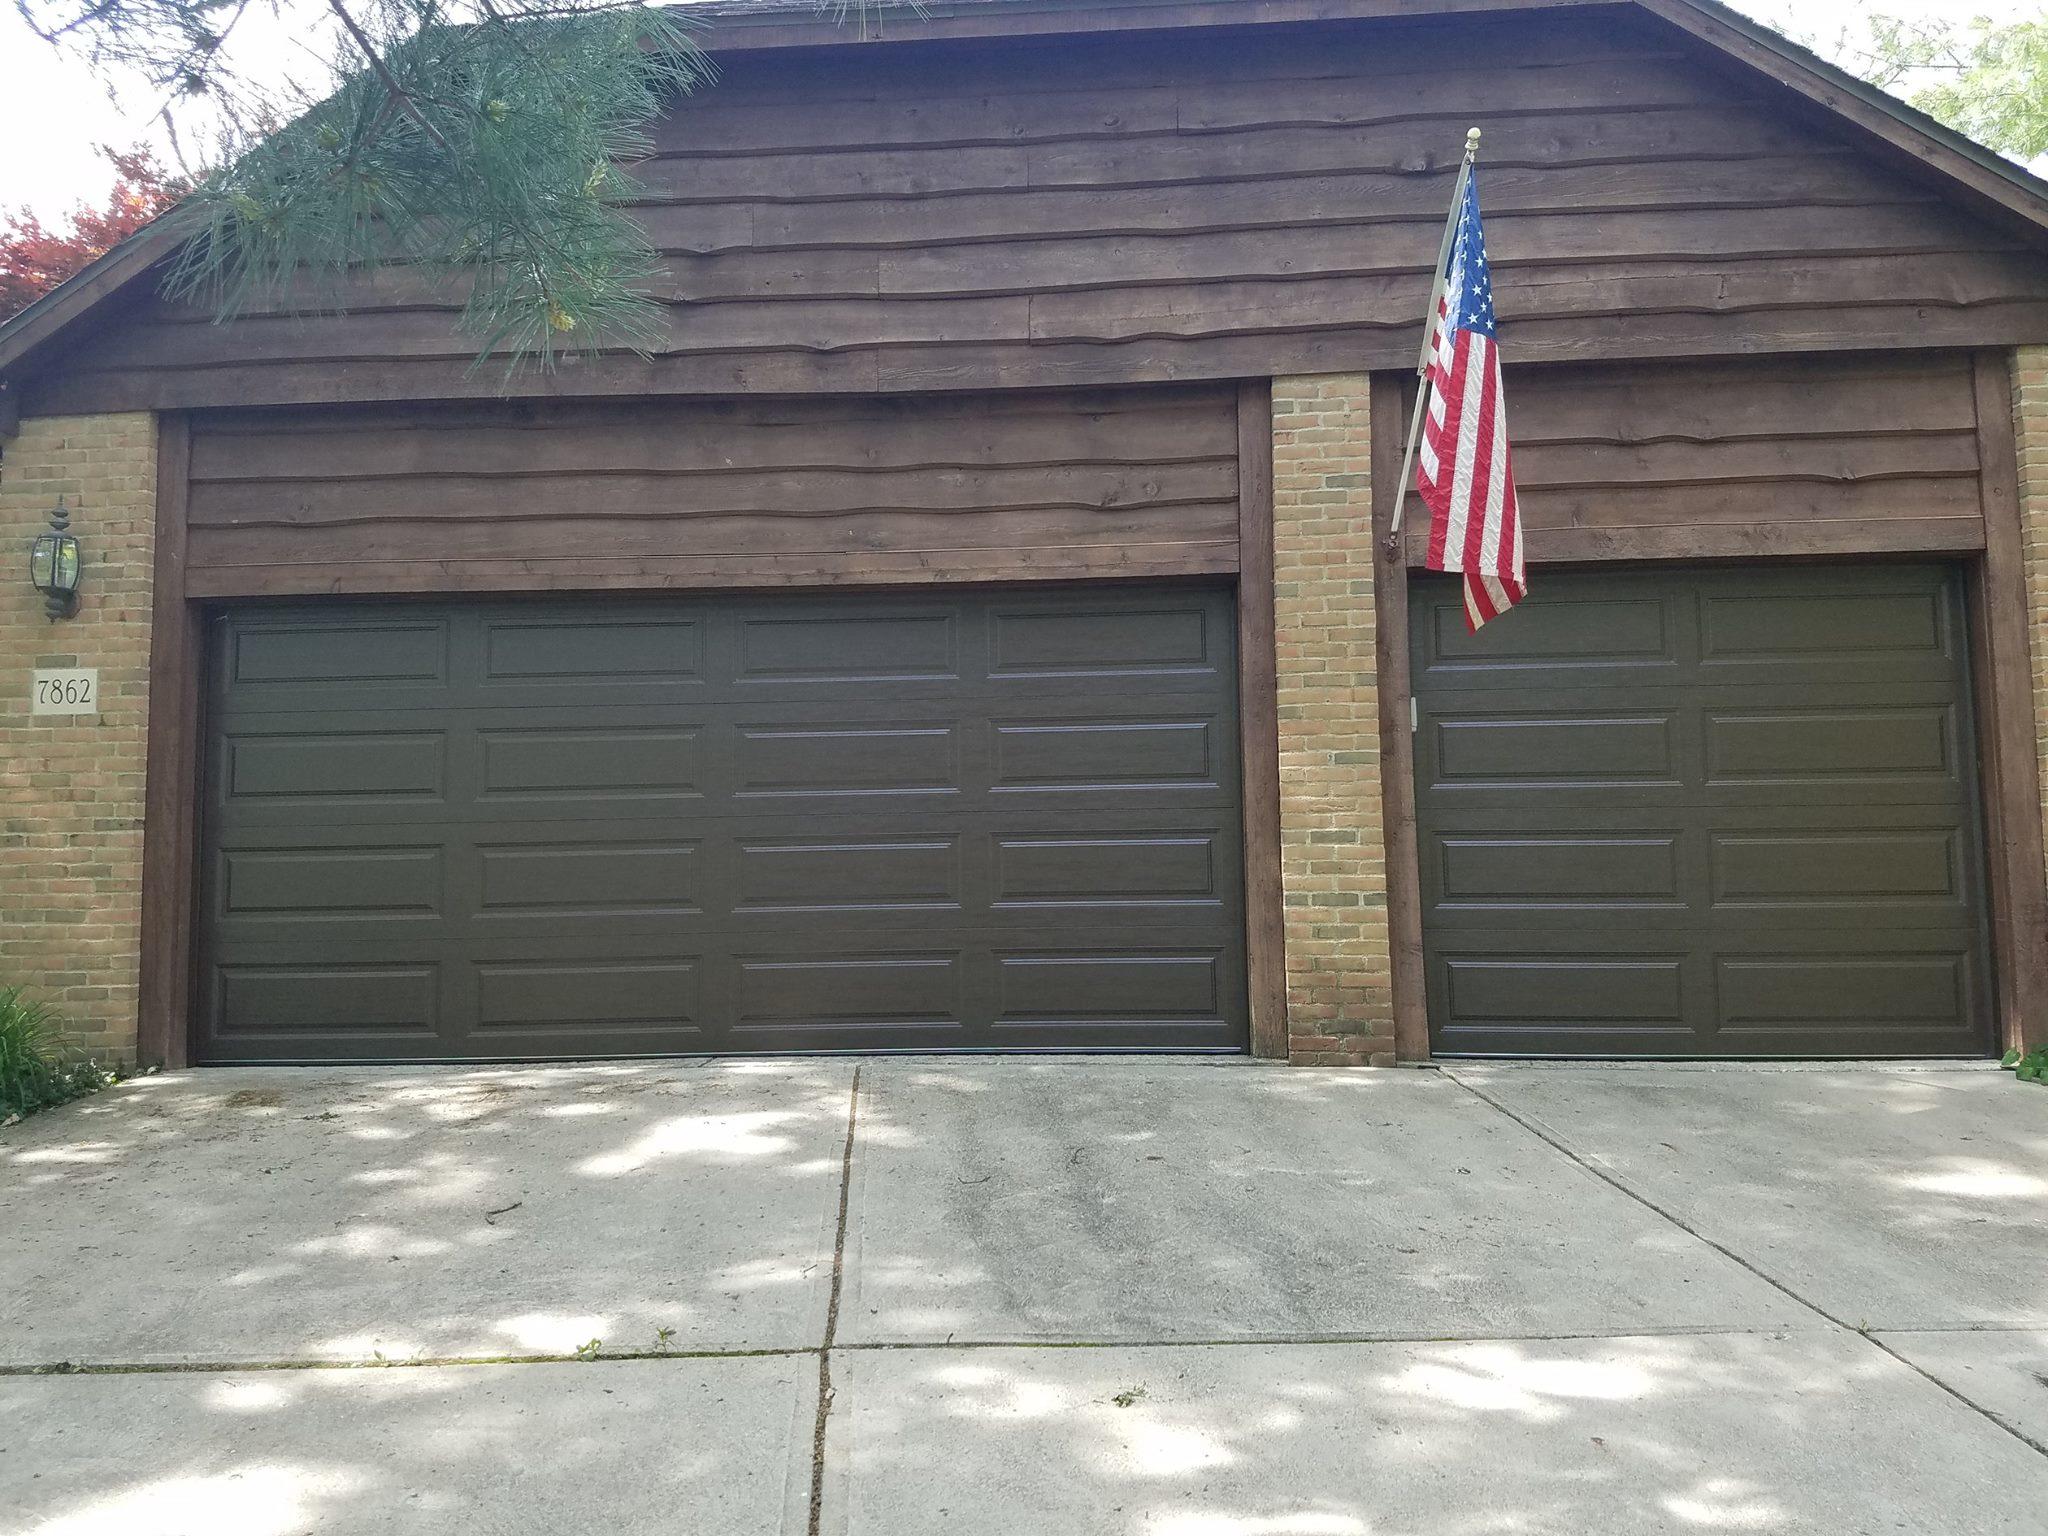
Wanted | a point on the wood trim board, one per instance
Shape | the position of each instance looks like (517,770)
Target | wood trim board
(171,789)
(1259,723)
(2018,873)
(1397,746)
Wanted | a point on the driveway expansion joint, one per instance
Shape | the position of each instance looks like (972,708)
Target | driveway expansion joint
(1555,1140)
(915,1346)
(393,1363)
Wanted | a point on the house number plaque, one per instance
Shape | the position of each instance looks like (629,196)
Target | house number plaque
(65,691)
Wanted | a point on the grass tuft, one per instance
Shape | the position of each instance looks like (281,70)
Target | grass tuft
(37,1068)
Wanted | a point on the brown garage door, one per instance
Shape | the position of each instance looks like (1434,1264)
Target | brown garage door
(1702,813)
(996,821)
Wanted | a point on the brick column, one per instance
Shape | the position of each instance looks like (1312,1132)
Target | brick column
(1332,849)
(2030,421)
(71,785)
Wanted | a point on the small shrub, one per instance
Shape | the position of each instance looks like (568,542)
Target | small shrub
(36,1069)
(2030,1067)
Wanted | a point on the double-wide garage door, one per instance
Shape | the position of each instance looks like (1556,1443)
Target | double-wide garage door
(1703,813)
(499,831)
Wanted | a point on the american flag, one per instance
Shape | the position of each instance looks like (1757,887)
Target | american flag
(1466,474)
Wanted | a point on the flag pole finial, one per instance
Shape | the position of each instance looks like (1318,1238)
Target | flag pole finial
(1472,144)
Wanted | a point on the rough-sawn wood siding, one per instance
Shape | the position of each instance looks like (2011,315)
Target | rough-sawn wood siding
(1216,205)
(689,494)
(1779,456)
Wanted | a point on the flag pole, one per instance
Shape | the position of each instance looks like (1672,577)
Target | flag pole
(1429,327)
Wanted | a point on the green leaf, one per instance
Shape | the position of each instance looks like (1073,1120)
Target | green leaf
(2010,1060)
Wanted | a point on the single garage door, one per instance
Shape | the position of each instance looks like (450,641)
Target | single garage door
(481,832)
(1700,813)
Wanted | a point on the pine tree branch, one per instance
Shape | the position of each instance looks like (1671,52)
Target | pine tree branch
(399,94)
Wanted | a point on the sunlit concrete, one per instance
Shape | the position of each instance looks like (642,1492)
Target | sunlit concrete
(1807,1433)
(2003,1372)
(1893,1199)
(259,1215)
(619,1448)
(1474,1333)
(1151,1200)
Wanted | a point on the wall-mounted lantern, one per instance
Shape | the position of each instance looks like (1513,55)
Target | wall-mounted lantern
(54,565)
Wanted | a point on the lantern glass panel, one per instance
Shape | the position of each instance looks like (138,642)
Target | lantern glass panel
(65,574)
(42,562)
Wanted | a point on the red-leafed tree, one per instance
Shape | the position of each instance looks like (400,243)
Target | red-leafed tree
(33,260)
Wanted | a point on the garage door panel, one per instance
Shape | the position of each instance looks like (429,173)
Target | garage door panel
(1584,748)
(847,757)
(1906,628)
(561,762)
(1806,868)
(1087,986)
(284,1002)
(1833,743)
(1872,990)
(1610,988)
(1630,870)
(847,873)
(1160,641)
(1815,812)
(560,880)
(1130,870)
(850,648)
(340,657)
(647,826)
(654,997)
(345,881)
(302,768)
(1110,752)
(1632,635)
(585,650)
(865,988)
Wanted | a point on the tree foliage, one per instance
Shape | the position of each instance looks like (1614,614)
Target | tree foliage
(33,259)
(1979,77)
(478,146)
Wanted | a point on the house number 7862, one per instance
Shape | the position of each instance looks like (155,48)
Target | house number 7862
(65,691)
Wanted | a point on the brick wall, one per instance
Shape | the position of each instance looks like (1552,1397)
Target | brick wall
(1332,848)
(2030,411)
(71,786)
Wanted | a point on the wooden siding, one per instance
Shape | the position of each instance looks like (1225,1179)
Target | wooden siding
(1084,211)
(1790,456)
(757,493)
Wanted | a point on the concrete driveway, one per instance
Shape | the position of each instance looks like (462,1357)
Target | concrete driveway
(1093,1298)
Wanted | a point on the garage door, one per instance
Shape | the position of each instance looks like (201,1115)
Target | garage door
(1000,821)
(1702,813)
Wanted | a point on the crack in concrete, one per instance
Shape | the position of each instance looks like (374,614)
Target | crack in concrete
(817,1510)
(1553,1139)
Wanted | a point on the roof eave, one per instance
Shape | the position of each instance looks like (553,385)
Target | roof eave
(26,333)
(1992,177)
(731,26)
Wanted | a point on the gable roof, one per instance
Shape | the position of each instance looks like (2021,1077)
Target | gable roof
(1978,176)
